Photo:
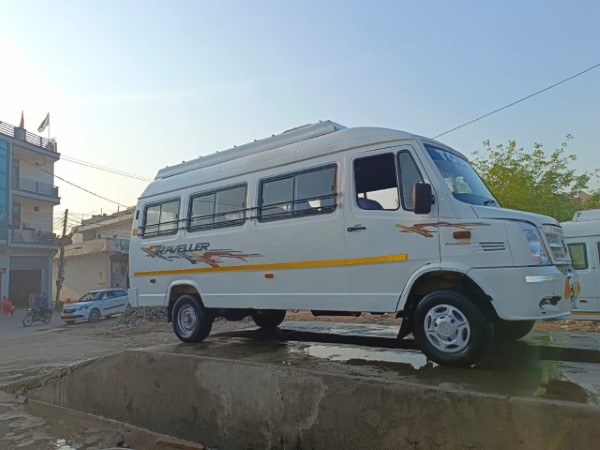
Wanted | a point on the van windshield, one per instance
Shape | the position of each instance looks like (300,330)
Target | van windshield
(461,178)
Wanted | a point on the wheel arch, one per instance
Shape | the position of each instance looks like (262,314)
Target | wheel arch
(437,277)
(179,288)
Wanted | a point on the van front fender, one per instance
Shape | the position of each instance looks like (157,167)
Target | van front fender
(442,267)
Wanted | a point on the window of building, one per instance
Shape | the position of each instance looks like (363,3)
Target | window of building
(376,182)
(226,207)
(579,256)
(409,176)
(161,218)
(298,194)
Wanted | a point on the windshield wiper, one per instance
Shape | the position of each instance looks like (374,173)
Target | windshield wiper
(490,201)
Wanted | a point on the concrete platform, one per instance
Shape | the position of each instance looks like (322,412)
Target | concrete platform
(339,386)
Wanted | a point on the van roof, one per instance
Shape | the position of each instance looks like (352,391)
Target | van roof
(585,228)
(590,214)
(296,144)
(291,136)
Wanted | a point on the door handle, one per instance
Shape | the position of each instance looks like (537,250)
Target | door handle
(356,228)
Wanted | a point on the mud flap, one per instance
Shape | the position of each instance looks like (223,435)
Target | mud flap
(406,327)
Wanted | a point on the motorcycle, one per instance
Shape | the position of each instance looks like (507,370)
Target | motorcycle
(37,315)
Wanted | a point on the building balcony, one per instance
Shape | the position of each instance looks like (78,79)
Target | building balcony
(23,135)
(36,190)
(99,245)
(32,238)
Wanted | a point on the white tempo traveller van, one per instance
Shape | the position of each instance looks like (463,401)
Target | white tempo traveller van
(582,236)
(341,222)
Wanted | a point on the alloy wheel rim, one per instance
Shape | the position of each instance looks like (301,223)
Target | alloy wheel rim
(447,328)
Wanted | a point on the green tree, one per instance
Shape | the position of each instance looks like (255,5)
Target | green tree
(533,180)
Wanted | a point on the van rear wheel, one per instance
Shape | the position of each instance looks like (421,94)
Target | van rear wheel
(451,330)
(192,322)
(508,330)
(270,318)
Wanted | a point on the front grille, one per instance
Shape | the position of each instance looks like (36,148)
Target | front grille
(554,237)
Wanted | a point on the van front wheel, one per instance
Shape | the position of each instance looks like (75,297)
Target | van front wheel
(268,318)
(191,321)
(451,330)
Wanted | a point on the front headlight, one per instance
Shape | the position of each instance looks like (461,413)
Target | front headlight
(536,246)
(83,308)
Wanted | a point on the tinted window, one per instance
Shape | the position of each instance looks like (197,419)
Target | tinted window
(376,183)
(225,207)
(409,176)
(161,218)
(578,256)
(301,193)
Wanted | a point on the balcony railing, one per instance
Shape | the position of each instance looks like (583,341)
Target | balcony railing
(24,135)
(23,184)
(33,237)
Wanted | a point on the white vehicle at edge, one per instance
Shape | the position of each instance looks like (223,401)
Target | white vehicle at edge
(340,221)
(582,236)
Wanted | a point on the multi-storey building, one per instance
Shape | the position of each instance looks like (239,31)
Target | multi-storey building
(27,199)
(97,256)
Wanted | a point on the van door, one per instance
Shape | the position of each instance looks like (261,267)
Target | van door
(584,258)
(385,241)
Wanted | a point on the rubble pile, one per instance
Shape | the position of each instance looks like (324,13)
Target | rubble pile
(148,314)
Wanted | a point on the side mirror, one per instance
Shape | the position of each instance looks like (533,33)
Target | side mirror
(422,198)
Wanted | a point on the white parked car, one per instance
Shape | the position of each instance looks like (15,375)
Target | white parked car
(96,304)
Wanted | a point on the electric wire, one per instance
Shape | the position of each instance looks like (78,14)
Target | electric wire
(103,168)
(76,185)
(595,66)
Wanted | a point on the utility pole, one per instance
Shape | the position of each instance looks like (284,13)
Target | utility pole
(62,242)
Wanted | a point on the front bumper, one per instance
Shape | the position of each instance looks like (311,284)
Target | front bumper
(73,316)
(528,293)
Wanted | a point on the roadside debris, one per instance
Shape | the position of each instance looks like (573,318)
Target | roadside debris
(180,444)
(151,314)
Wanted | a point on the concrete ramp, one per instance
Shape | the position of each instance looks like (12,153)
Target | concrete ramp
(268,398)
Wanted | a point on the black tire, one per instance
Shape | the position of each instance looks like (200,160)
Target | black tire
(269,318)
(458,336)
(70,322)
(508,330)
(47,317)
(191,321)
(95,315)
(28,320)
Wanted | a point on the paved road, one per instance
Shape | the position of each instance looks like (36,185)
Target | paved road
(12,327)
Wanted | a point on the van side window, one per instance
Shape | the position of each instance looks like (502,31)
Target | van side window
(222,208)
(161,218)
(376,183)
(578,256)
(298,194)
(409,176)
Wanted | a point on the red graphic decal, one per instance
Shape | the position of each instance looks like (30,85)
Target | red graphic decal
(421,228)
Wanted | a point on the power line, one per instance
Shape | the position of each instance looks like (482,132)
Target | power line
(103,168)
(595,66)
(76,185)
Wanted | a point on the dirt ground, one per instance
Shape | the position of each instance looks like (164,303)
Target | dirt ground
(389,319)
(24,359)
(153,333)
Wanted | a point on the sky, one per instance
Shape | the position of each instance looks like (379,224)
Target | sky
(139,85)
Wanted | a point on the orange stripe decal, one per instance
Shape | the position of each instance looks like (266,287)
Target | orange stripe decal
(280,266)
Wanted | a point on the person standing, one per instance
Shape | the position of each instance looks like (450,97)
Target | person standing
(7,307)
